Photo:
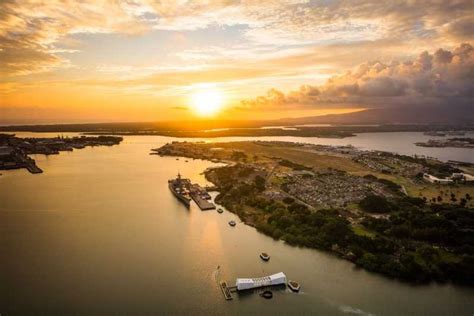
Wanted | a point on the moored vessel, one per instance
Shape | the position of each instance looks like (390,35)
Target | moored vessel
(179,188)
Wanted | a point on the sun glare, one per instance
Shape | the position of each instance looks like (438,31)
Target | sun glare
(206,102)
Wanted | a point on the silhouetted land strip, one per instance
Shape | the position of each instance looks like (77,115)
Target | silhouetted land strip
(240,132)
(372,208)
(219,128)
(14,151)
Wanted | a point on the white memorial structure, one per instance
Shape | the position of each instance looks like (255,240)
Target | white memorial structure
(274,279)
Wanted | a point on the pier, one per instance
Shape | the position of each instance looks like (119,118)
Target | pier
(201,197)
(203,204)
(225,290)
(33,168)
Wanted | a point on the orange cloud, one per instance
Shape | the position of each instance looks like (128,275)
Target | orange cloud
(441,77)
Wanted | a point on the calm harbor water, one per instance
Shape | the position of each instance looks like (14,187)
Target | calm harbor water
(99,233)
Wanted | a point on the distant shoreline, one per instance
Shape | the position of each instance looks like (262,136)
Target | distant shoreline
(213,130)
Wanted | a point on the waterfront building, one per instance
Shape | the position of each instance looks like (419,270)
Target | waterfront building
(430,178)
(463,177)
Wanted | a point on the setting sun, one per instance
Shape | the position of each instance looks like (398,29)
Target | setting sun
(206,102)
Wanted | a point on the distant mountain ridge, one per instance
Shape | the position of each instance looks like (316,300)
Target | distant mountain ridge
(401,115)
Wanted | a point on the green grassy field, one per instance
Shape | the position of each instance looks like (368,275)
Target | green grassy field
(296,154)
(362,231)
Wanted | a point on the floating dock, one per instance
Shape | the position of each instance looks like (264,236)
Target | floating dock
(201,197)
(33,168)
(203,204)
(225,290)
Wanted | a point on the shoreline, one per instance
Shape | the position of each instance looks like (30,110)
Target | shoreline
(214,130)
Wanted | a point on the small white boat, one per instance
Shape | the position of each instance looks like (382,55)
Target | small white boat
(232,223)
(265,256)
(294,286)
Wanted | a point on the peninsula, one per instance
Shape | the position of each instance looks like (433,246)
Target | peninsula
(458,142)
(373,208)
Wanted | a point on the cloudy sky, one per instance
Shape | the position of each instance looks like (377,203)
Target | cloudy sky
(80,61)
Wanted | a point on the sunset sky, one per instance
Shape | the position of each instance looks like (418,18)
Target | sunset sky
(89,61)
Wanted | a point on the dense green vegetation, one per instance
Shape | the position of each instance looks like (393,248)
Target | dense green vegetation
(409,240)
(375,204)
(438,240)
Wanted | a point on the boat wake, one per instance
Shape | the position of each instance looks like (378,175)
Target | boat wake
(216,274)
(352,310)
(300,292)
(347,309)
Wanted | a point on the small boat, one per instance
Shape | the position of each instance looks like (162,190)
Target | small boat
(267,294)
(185,161)
(265,256)
(177,158)
(220,211)
(294,286)
(232,223)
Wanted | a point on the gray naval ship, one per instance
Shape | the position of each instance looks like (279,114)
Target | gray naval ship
(180,189)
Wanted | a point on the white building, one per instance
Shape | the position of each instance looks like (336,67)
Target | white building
(274,279)
(463,177)
(468,177)
(433,179)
